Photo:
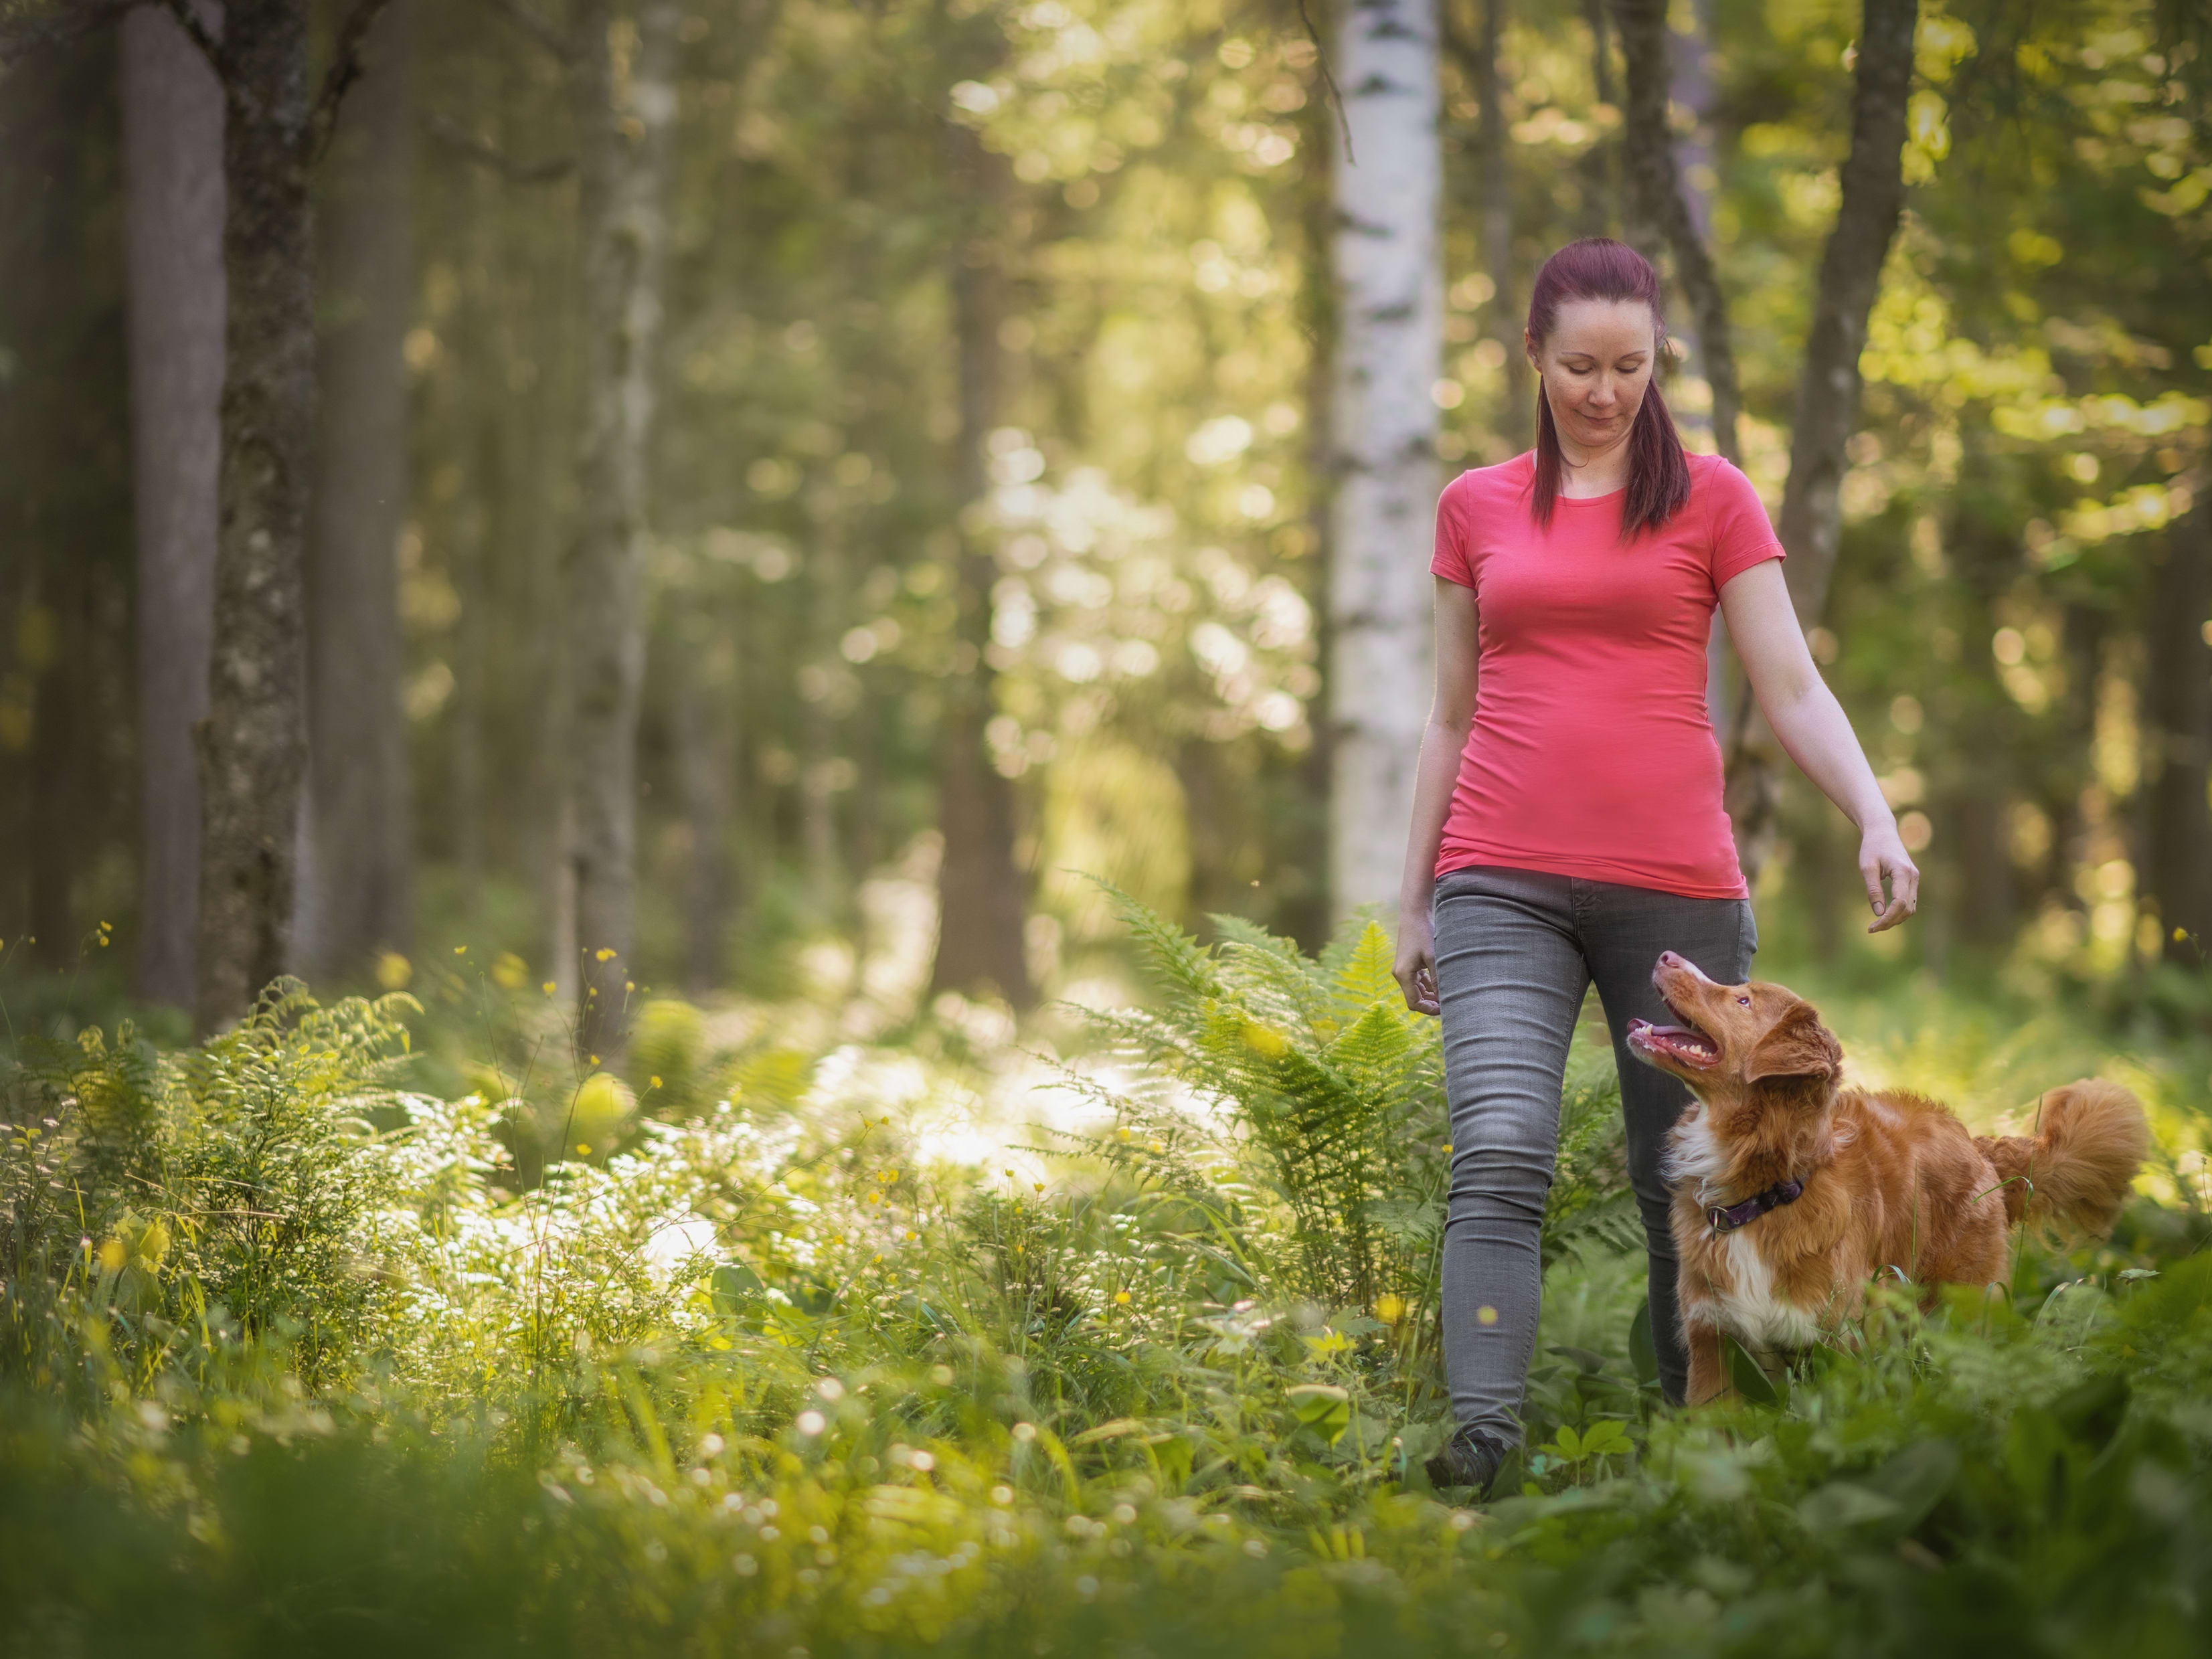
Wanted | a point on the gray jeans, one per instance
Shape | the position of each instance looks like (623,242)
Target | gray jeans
(1516,950)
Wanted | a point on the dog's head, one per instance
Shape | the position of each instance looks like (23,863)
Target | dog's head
(1735,1039)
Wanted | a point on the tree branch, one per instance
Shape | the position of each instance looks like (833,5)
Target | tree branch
(1872,200)
(539,27)
(1663,214)
(454,135)
(345,68)
(1328,81)
(196,31)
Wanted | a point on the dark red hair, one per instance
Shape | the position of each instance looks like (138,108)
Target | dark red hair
(1599,268)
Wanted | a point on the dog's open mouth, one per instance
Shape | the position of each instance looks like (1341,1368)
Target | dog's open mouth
(1686,1043)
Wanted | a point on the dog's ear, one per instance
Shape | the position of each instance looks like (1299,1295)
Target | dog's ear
(1798,1045)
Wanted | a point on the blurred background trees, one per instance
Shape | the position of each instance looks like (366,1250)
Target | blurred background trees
(770,447)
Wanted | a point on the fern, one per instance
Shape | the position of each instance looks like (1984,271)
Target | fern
(1590,1205)
(236,1191)
(1322,1108)
(1175,960)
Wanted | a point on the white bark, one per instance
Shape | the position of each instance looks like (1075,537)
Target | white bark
(1388,357)
(172,159)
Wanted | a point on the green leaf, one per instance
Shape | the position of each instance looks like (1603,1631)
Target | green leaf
(1607,1437)
(1643,1352)
(1585,1361)
(1365,979)
(1843,1503)
(1749,1378)
(732,1286)
(1322,1407)
(1894,1498)
(2091,1411)
(1916,1478)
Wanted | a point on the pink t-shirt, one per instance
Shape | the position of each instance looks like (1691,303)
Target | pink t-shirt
(1591,753)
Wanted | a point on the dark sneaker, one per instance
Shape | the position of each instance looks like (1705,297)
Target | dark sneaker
(1476,1461)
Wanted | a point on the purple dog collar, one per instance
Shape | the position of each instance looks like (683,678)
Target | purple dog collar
(1735,1215)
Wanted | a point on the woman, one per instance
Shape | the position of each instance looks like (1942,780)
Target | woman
(1567,825)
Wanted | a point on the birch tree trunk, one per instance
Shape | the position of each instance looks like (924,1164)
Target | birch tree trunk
(173,122)
(1391,316)
(361,892)
(623,83)
(1828,386)
(980,888)
(2177,855)
(252,743)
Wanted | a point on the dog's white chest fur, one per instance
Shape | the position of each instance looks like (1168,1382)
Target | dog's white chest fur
(1750,1311)
(1692,1153)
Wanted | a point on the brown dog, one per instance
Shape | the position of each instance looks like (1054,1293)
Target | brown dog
(1791,1193)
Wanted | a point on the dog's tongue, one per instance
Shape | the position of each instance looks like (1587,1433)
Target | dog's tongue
(1682,1039)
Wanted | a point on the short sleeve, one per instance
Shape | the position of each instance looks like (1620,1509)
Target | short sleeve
(1452,562)
(1742,535)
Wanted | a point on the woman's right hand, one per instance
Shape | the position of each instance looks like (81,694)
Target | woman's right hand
(1415,969)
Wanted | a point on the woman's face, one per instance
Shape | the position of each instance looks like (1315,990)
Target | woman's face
(1595,366)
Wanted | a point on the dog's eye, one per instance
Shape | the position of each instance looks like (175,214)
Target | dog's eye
(1745,1000)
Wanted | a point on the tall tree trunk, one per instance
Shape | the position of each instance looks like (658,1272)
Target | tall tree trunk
(1597,167)
(703,770)
(1828,387)
(1390,315)
(173,122)
(252,743)
(625,98)
(1665,209)
(357,743)
(53,801)
(2074,723)
(1508,419)
(2177,854)
(821,768)
(980,891)
(62,405)
(1660,215)
(1210,812)
(1850,274)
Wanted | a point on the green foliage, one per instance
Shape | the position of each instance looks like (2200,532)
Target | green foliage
(169,1212)
(1319,1096)
(772,1377)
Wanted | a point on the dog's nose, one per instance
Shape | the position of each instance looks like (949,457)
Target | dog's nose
(1668,959)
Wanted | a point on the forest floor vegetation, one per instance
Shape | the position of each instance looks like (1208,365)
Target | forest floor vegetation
(774,1342)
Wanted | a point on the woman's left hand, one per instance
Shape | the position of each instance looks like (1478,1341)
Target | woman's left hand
(1881,853)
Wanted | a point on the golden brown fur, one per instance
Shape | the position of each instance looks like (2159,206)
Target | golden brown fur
(1891,1181)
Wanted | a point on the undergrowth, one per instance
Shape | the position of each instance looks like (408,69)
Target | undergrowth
(293,1354)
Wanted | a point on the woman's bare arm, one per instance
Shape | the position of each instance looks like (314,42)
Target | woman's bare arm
(1815,732)
(1458,649)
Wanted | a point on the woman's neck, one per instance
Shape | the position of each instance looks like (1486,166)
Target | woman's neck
(1589,472)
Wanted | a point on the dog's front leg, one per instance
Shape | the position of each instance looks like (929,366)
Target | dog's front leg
(1701,1331)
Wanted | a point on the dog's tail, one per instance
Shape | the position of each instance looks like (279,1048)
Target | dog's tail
(2090,1139)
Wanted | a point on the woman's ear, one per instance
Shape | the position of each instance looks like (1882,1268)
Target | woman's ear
(1797,1045)
(1535,352)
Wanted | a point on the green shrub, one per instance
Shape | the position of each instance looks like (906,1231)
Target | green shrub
(294,1358)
